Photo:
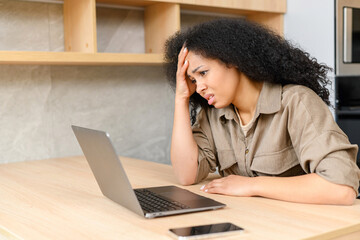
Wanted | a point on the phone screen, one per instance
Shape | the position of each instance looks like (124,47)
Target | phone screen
(211,229)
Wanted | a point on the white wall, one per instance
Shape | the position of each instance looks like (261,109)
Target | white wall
(310,25)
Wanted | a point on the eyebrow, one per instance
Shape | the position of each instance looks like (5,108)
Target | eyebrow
(193,71)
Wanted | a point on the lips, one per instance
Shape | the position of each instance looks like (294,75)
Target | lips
(210,98)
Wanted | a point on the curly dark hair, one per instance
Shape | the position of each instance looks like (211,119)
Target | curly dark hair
(254,50)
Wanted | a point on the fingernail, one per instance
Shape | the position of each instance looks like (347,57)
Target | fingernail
(202,187)
(185,62)
(206,190)
(185,49)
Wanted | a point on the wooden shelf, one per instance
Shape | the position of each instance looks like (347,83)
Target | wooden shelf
(224,6)
(77,58)
(81,39)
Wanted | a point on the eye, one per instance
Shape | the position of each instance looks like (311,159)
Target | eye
(192,80)
(203,73)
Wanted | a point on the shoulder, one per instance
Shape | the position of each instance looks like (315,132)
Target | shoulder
(202,117)
(298,96)
(299,91)
(304,106)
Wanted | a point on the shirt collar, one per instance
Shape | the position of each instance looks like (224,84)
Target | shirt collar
(228,113)
(270,99)
(269,102)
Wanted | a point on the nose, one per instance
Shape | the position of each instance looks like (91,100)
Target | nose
(200,87)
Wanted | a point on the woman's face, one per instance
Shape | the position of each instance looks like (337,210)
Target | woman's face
(214,81)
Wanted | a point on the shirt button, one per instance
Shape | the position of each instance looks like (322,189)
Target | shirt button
(246,151)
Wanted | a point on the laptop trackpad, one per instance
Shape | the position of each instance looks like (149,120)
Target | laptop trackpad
(184,196)
(176,196)
(174,193)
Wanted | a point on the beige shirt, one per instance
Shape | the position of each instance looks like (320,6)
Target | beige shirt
(245,128)
(294,133)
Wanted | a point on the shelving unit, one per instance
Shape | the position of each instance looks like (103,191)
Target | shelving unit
(79,58)
(161,20)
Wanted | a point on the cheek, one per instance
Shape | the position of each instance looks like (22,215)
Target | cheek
(229,86)
(224,81)
(229,80)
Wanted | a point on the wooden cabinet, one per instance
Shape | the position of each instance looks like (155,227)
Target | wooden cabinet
(161,19)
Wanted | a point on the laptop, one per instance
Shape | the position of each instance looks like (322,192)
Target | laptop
(113,182)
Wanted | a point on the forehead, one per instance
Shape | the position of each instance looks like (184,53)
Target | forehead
(195,57)
(195,60)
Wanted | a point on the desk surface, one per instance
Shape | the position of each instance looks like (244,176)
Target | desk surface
(60,199)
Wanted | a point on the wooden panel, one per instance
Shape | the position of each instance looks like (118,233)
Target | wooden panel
(75,58)
(275,6)
(160,21)
(80,26)
(271,20)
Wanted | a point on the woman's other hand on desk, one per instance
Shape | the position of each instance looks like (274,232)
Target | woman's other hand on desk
(231,185)
(308,188)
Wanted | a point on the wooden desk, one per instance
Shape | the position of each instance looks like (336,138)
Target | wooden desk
(59,199)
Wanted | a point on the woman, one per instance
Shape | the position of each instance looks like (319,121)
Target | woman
(258,112)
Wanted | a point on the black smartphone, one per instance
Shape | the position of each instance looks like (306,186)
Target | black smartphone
(205,231)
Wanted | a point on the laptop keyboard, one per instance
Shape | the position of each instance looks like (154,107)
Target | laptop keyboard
(152,202)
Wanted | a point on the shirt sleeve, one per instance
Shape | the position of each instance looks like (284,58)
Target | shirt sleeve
(207,158)
(321,146)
